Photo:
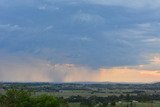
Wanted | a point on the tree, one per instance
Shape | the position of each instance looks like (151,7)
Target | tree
(128,97)
(113,103)
(18,98)
(104,104)
(21,98)
(2,100)
(46,101)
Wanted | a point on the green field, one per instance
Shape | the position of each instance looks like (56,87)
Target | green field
(68,93)
(123,104)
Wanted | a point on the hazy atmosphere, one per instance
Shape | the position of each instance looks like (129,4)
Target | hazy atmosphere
(79,40)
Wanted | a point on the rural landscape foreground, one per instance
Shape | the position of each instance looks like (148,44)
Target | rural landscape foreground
(87,94)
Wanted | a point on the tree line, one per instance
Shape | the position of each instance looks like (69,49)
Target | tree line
(21,98)
(105,101)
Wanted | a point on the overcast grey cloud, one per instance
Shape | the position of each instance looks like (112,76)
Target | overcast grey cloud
(91,34)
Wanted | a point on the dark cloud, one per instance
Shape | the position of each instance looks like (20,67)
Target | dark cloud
(83,33)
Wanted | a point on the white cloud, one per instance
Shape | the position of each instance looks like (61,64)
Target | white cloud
(83,38)
(48,28)
(8,27)
(155,59)
(147,4)
(136,4)
(152,40)
(43,7)
(88,18)
(14,3)
(143,32)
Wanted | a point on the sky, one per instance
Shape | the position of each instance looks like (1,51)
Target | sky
(80,40)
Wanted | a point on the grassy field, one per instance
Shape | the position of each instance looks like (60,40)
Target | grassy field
(66,94)
(124,104)
(82,93)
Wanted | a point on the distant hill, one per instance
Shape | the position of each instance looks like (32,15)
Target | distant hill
(157,83)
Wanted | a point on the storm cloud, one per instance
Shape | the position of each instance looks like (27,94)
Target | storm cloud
(90,34)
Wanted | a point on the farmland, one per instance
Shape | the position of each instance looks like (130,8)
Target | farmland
(93,94)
